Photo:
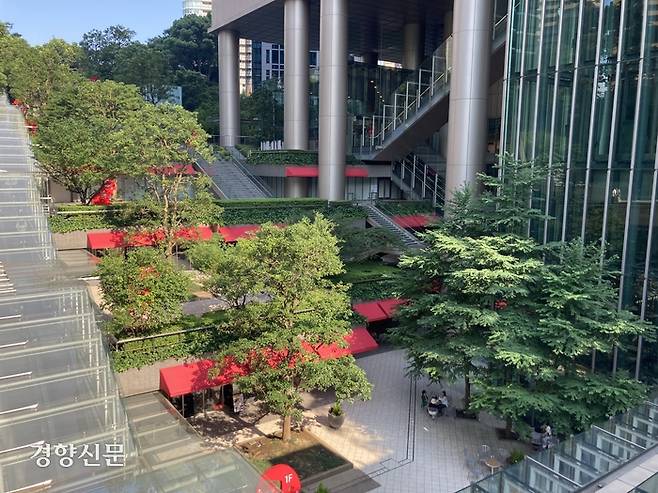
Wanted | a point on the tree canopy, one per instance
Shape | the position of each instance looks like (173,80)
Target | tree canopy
(143,290)
(489,305)
(84,136)
(102,47)
(302,310)
(147,68)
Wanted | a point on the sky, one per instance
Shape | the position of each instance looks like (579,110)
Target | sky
(38,21)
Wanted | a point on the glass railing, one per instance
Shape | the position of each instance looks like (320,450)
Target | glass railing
(429,82)
(581,461)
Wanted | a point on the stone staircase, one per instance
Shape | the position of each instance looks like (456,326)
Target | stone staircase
(231,180)
(380,219)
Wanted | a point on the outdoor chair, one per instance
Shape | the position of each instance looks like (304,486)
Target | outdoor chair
(484,452)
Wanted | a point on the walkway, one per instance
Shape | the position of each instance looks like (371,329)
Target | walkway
(394,445)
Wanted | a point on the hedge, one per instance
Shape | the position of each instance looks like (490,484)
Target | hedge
(140,353)
(290,157)
(75,217)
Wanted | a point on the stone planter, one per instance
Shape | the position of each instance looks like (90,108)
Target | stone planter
(336,422)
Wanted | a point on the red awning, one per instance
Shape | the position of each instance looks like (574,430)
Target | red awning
(371,311)
(231,234)
(414,221)
(102,240)
(301,171)
(390,305)
(356,171)
(313,171)
(174,169)
(193,377)
(360,341)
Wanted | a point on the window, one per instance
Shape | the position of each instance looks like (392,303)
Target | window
(267,74)
(267,56)
(275,56)
(281,60)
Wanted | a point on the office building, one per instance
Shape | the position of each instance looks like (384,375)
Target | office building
(582,95)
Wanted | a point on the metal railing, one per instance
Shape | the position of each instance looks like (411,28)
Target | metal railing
(430,80)
(260,184)
(422,181)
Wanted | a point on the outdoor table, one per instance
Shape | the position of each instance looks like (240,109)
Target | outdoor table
(492,463)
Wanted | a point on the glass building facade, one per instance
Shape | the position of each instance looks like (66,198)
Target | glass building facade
(581,95)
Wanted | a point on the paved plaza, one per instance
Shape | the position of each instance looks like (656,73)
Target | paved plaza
(394,444)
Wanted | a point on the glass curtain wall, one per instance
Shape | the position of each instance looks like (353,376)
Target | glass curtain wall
(582,95)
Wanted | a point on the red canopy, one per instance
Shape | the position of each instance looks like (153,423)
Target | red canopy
(356,171)
(101,240)
(389,306)
(414,221)
(313,171)
(193,377)
(175,169)
(302,171)
(232,234)
(371,311)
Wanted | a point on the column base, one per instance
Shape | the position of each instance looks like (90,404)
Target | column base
(295,187)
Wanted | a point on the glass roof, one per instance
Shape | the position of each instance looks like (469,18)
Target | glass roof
(56,383)
(582,460)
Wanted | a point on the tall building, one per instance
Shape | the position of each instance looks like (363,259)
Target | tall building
(204,7)
(582,95)
(197,7)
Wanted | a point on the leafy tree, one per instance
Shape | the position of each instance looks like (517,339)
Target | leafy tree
(84,139)
(190,46)
(175,198)
(102,48)
(147,68)
(281,339)
(541,340)
(360,244)
(455,287)
(262,113)
(216,260)
(505,204)
(143,290)
(33,74)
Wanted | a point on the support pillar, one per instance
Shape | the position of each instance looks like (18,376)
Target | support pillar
(333,99)
(296,87)
(469,84)
(229,88)
(414,45)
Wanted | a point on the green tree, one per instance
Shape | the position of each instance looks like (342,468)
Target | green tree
(281,339)
(454,286)
(541,342)
(84,139)
(142,290)
(34,74)
(262,113)
(147,68)
(190,46)
(101,49)
(175,198)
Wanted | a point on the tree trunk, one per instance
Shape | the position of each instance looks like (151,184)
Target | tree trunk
(287,425)
(467,392)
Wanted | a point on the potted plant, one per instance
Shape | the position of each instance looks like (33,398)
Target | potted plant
(515,457)
(336,416)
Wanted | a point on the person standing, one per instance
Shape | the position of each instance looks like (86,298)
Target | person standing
(423,399)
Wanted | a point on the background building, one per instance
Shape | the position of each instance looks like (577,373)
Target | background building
(582,95)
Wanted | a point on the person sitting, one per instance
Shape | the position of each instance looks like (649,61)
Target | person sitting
(443,402)
(433,407)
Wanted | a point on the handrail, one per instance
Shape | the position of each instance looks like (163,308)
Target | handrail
(412,95)
(254,179)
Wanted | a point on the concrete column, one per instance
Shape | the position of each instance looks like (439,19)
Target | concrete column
(296,87)
(229,88)
(414,45)
(296,79)
(469,84)
(295,187)
(333,99)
